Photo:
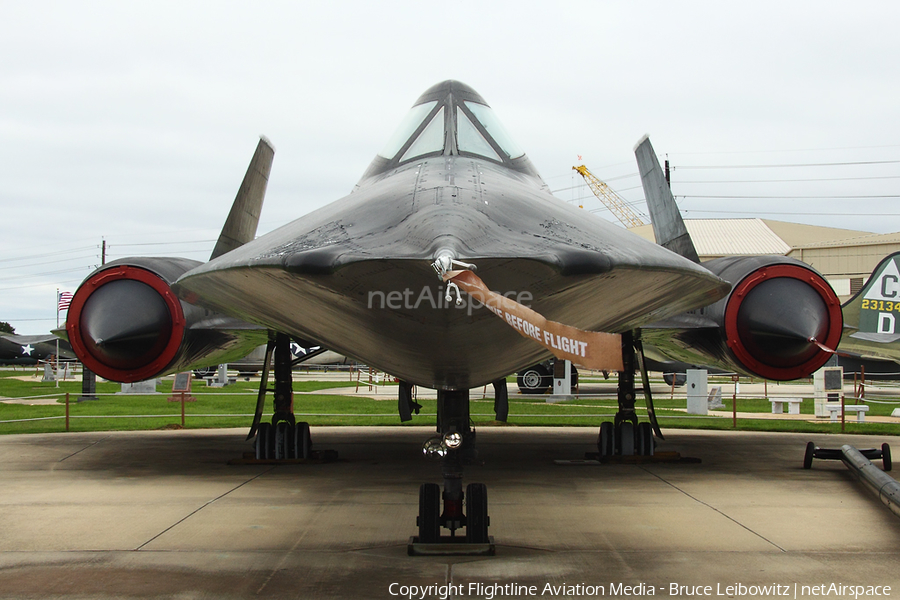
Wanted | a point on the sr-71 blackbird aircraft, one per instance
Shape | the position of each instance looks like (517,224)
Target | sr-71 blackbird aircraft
(378,274)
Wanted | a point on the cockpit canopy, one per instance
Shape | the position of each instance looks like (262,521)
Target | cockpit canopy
(468,127)
(447,120)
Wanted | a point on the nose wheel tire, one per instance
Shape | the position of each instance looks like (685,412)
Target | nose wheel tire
(626,439)
(429,520)
(477,519)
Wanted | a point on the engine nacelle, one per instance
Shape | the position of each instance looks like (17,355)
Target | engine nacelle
(778,321)
(126,324)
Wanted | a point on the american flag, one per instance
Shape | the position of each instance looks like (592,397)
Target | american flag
(65,299)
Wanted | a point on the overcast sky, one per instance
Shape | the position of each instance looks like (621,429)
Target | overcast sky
(134,122)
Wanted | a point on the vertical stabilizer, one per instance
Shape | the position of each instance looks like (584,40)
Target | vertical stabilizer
(668,226)
(240,226)
(875,310)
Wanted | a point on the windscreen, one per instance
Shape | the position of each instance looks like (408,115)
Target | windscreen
(408,126)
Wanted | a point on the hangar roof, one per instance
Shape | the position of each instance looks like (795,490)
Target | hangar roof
(731,237)
(739,237)
(866,239)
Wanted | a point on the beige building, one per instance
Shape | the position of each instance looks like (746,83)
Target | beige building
(844,256)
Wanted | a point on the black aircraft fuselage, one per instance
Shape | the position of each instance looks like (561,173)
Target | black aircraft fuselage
(356,275)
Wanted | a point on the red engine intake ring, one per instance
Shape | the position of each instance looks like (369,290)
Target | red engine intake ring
(835,325)
(100,279)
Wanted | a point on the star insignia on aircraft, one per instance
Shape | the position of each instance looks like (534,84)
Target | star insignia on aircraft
(27,350)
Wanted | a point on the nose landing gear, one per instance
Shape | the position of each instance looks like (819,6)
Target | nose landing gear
(454,445)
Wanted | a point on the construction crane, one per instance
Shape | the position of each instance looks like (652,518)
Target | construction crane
(610,199)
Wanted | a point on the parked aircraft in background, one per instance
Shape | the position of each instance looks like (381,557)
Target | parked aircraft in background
(377,276)
(253,362)
(29,349)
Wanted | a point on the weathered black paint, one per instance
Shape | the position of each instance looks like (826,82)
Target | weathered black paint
(314,277)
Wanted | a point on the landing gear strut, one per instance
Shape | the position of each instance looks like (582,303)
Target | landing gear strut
(283,438)
(625,436)
(454,445)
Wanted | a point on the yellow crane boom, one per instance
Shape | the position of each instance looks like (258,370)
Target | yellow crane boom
(610,199)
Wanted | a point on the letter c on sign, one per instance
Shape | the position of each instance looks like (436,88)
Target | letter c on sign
(889,286)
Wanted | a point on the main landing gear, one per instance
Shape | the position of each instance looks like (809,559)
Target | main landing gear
(284,438)
(625,436)
(454,446)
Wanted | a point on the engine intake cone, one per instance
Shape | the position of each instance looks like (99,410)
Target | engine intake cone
(777,319)
(126,324)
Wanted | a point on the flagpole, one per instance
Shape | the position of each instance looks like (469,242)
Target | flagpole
(57,339)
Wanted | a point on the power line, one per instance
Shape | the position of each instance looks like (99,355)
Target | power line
(849,197)
(790,150)
(45,255)
(52,262)
(618,191)
(182,253)
(42,284)
(835,164)
(162,243)
(627,162)
(635,205)
(581,185)
(70,270)
(679,182)
(14,319)
(816,214)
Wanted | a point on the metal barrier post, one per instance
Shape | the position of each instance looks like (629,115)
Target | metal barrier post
(843,411)
(735,379)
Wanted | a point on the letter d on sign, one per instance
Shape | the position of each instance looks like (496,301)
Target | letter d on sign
(886,323)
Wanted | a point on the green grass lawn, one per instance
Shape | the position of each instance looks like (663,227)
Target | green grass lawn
(228,407)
